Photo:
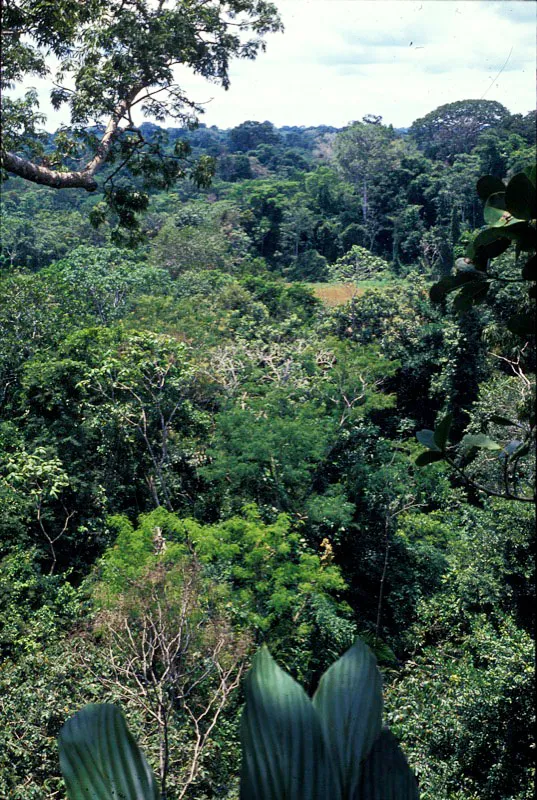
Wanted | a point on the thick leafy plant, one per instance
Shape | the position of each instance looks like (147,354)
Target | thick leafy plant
(331,747)
(359,264)
(113,57)
(100,760)
(510,213)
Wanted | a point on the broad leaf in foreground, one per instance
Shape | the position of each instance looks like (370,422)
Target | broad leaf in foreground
(285,756)
(100,760)
(386,774)
(349,703)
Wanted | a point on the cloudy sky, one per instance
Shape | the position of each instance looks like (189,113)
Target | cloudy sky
(340,59)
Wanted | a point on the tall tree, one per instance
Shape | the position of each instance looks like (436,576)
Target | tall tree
(455,127)
(116,57)
(361,151)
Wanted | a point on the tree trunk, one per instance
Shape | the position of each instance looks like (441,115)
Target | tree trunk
(163,748)
(48,177)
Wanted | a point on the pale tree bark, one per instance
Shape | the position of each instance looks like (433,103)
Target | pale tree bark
(81,179)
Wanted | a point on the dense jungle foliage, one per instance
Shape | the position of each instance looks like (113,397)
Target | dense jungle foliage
(208,442)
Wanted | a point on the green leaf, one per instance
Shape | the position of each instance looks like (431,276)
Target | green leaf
(480,440)
(497,419)
(484,238)
(426,438)
(428,457)
(488,185)
(284,751)
(520,197)
(514,230)
(529,270)
(440,289)
(495,209)
(386,774)
(449,283)
(519,232)
(531,172)
(522,324)
(493,249)
(349,704)
(441,431)
(471,294)
(100,760)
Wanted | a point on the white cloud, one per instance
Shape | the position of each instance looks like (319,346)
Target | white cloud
(341,59)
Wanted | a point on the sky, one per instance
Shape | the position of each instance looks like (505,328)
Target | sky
(341,59)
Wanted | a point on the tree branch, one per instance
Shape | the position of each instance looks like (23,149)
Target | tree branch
(81,179)
(48,177)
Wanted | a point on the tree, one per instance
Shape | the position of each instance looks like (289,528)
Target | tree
(279,589)
(41,479)
(358,264)
(31,318)
(100,282)
(116,58)
(363,153)
(296,228)
(455,127)
(140,384)
(199,238)
(510,212)
(471,677)
(174,654)
(523,126)
(234,168)
(248,135)
(264,204)
(33,241)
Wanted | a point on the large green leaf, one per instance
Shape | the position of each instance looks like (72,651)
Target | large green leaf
(470,294)
(523,324)
(480,440)
(426,438)
(488,185)
(100,760)
(520,197)
(449,283)
(483,239)
(386,774)
(441,431)
(492,249)
(349,703)
(495,209)
(520,232)
(284,754)
(428,457)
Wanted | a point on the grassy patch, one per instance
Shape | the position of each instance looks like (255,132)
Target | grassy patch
(337,294)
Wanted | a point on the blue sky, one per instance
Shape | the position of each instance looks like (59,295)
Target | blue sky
(340,59)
